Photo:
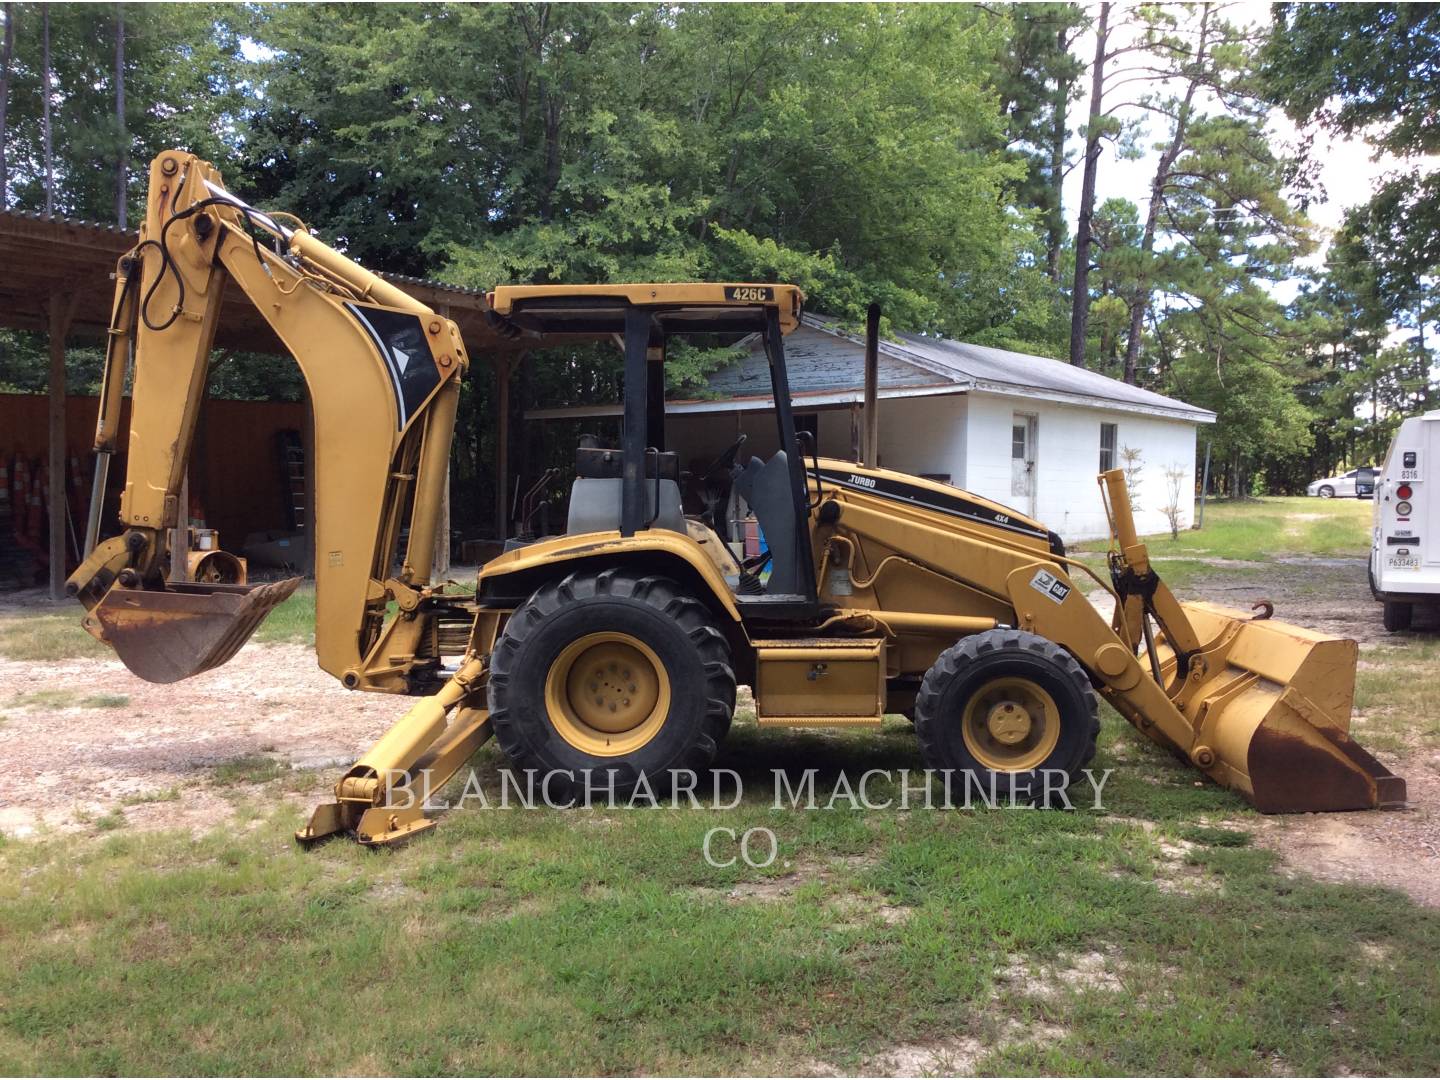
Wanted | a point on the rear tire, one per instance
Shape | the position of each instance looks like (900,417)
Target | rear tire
(1397,616)
(1006,706)
(611,671)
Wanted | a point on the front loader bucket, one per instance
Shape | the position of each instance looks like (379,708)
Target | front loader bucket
(1271,713)
(167,635)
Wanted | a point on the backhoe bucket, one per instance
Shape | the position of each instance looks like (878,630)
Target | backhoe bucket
(1271,712)
(167,635)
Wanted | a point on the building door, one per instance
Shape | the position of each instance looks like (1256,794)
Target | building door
(1022,461)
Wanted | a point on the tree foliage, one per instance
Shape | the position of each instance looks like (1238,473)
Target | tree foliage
(908,154)
(1372,70)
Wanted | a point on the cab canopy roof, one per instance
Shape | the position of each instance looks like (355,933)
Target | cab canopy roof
(687,308)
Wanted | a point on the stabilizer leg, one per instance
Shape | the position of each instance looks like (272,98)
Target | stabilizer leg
(378,800)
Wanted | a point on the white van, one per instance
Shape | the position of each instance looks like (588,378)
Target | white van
(1405,544)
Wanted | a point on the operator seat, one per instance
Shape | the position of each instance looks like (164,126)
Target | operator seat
(595,497)
(766,490)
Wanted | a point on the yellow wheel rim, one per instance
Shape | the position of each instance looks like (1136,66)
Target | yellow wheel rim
(1011,725)
(607,694)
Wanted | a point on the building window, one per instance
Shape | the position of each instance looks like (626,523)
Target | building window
(1017,441)
(1107,447)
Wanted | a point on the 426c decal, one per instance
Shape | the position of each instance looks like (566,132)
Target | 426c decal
(749,294)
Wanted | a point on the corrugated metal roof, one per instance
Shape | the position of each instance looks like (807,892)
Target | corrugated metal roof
(43,254)
(107,229)
(97,226)
(815,361)
(999,369)
(822,358)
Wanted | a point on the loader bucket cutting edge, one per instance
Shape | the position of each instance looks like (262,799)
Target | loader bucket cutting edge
(167,635)
(1274,709)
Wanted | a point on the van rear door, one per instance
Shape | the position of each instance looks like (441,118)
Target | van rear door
(1426,500)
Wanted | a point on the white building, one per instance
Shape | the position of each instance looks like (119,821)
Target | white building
(1026,431)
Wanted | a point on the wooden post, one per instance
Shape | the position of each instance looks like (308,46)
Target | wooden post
(61,311)
(440,560)
(502,447)
(180,534)
(307,531)
(440,563)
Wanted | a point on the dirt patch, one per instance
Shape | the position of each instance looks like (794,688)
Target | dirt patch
(69,765)
(952,1055)
(851,910)
(1324,594)
(1086,972)
(1175,873)
(1397,849)
(855,911)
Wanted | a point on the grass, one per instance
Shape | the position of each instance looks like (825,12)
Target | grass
(105,701)
(249,769)
(170,794)
(1395,695)
(115,819)
(1258,530)
(68,699)
(1243,538)
(293,620)
(601,942)
(47,637)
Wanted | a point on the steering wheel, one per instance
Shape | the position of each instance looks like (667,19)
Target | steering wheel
(726,461)
(717,481)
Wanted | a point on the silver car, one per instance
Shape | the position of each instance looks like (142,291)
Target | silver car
(1355,484)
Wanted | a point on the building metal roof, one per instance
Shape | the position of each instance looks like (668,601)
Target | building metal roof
(44,255)
(1000,371)
(826,366)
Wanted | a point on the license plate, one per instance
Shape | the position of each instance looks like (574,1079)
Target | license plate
(1403,562)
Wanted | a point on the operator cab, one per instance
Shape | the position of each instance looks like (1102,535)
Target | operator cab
(638,485)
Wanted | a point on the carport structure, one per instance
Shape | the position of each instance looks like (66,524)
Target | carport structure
(57,277)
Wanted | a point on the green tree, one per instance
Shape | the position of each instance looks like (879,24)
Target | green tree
(1037,79)
(1372,70)
(182,88)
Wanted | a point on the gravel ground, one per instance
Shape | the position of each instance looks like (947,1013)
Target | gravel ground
(71,763)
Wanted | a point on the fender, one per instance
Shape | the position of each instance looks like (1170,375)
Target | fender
(508,577)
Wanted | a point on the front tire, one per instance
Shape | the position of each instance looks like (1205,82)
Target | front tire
(1004,708)
(611,671)
(1326,491)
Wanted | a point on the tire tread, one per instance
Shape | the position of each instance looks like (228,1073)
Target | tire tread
(660,594)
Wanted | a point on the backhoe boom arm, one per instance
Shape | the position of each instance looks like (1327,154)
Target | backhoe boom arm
(383,372)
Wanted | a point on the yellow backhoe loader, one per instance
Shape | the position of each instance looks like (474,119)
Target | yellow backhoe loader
(616,645)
